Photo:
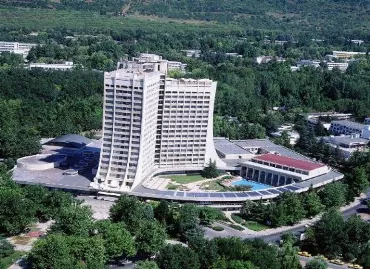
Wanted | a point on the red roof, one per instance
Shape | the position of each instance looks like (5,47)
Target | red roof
(290,162)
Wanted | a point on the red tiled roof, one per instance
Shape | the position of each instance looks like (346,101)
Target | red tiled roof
(290,162)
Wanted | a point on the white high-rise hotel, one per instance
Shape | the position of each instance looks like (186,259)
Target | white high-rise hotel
(153,123)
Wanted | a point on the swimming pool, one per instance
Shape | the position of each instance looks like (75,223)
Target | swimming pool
(255,185)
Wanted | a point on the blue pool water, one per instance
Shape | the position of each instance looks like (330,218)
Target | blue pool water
(255,185)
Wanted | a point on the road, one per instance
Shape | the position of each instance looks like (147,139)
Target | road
(101,211)
(330,266)
(346,214)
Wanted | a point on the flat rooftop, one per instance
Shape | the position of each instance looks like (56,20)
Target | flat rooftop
(345,140)
(287,161)
(269,146)
(225,146)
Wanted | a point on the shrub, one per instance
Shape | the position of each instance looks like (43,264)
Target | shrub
(236,227)
(217,228)
(237,218)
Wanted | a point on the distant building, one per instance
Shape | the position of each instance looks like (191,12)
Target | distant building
(341,66)
(173,65)
(346,54)
(62,66)
(265,59)
(228,150)
(346,144)
(294,68)
(303,63)
(233,54)
(346,127)
(16,47)
(150,59)
(357,41)
(280,42)
(192,53)
(293,136)
(329,114)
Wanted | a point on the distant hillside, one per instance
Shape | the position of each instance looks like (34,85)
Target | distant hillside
(335,15)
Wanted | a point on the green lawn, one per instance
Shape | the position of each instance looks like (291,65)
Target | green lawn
(7,261)
(251,225)
(255,226)
(185,179)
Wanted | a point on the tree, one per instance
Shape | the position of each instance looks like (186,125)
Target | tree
(162,211)
(89,251)
(316,263)
(127,209)
(263,255)
(357,181)
(57,201)
(329,232)
(320,129)
(364,258)
(38,195)
(6,248)
(150,237)
(16,212)
(247,209)
(146,265)
(306,139)
(206,250)
(309,243)
(208,214)
(51,252)
(117,240)
(188,218)
(288,257)
(148,212)
(177,257)
(74,220)
(232,248)
(287,211)
(210,171)
(241,265)
(334,195)
(357,236)
(312,204)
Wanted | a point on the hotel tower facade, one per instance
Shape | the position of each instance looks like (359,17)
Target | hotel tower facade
(153,124)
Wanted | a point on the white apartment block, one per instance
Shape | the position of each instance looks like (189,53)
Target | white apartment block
(62,66)
(17,48)
(152,123)
(347,54)
(149,58)
(341,66)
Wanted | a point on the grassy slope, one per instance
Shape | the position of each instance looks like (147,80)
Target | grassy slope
(43,19)
(284,15)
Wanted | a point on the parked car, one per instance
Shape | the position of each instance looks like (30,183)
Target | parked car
(304,253)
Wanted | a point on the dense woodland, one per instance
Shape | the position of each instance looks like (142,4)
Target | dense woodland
(317,16)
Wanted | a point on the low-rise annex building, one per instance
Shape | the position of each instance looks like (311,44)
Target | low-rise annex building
(57,66)
(16,47)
